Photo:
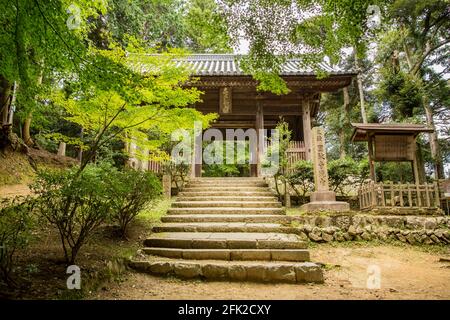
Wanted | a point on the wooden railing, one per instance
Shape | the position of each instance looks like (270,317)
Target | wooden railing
(295,152)
(372,195)
(155,166)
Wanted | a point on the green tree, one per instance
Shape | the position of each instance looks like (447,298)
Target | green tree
(414,40)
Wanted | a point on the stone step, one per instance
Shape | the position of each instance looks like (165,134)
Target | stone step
(271,211)
(227,204)
(266,218)
(222,227)
(228,198)
(298,255)
(225,188)
(224,240)
(237,193)
(234,183)
(253,271)
(227,179)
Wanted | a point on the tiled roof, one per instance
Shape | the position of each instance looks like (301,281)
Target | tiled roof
(228,65)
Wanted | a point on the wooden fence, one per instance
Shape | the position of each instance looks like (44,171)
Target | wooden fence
(155,166)
(372,195)
(295,152)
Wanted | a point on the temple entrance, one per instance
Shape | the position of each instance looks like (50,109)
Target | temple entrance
(239,167)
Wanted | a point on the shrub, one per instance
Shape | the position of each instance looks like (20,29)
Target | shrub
(178,172)
(339,171)
(75,202)
(130,191)
(15,231)
(303,176)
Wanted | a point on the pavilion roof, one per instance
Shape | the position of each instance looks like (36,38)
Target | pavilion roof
(362,131)
(229,65)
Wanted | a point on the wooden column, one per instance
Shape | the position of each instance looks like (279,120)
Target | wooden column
(259,125)
(197,149)
(306,122)
(62,149)
(167,186)
(371,164)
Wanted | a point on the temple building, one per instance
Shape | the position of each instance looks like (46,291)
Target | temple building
(232,94)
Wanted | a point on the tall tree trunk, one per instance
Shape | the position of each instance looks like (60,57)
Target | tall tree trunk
(342,152)
(5,98)
(360,86)
(26,130)
(434,144)
(420,164)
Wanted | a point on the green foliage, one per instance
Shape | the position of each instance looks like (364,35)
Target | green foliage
(402,92)
(308,30)
(395,172)
(206,27)
(302,177)
(221,170)
(16,222)
(339,172)
(75,202)
(130,192)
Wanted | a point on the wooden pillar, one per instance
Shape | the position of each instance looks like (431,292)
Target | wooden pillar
(259,125)
(62,149)
(167,186)
(371,164)
(197,149)
(306,122)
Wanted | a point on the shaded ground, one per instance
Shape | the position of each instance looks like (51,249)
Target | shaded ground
(406,273)
(41,272)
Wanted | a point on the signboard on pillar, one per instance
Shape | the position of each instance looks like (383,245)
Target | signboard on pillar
(225,100)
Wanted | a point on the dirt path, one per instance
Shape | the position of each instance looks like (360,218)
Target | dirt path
(14,190)
(406,273)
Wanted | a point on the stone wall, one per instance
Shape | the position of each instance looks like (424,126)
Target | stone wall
(354,227)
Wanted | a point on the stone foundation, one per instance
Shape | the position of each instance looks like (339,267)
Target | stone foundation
(347,227)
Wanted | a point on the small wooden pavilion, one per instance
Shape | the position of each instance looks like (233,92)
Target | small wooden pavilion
(390,142)
(394,142)
(232,94)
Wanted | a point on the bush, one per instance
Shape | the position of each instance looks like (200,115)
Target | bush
(15,231)
(339,171)
(178,172)
(130,191)
(302,176)
(75,202)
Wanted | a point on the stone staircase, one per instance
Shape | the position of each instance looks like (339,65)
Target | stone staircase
(228,229)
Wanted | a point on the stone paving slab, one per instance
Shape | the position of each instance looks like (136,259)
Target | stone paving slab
(272,211)
(267,271)
(229,198)
(226,204)
(205,240)
(226,235)
(226,218)
(222,227)
(236,193)
(298,255)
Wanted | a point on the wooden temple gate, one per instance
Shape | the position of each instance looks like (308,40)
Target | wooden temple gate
(232,94)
